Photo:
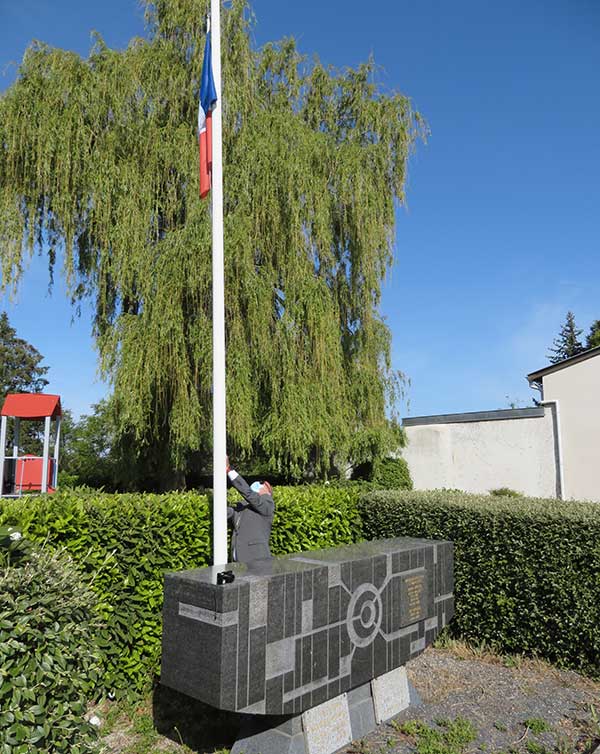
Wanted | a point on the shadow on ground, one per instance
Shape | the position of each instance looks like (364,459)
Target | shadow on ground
(203,728)
(193,723)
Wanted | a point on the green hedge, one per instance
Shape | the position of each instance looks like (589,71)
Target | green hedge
(125,543)
(527,570)
(49,664)
(392,474)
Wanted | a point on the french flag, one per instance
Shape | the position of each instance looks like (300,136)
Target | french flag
(208,97)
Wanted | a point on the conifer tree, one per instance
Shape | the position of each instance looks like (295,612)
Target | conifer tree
(567,343)
(593,337)
(21,370)
(98,164)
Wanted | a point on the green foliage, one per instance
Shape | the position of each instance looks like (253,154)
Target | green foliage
(88,449)
(21,371)
(125,543)
(98,157)
(450,737)
(536,725)
(567,343)
(593,337)
(49,665)
(94,453)
(526,570)
(505,492)
(14,548)
(315,516)
(20,368)
(533,747)
(392,474)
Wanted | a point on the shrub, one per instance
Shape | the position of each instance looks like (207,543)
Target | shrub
(392,474)
(49,664)
(527,571)
(505,492)
(125,543)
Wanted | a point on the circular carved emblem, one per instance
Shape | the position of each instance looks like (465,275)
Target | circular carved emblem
(364,615)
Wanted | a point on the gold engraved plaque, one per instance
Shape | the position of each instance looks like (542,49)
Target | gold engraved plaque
(413,597)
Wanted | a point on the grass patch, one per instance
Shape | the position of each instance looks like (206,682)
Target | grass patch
(451,736)
(536,725)
(533,747)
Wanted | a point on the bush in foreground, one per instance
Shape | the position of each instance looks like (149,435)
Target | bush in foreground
(527,570)
(49,665)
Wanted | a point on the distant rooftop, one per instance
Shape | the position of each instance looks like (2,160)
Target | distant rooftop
(589,354)
(531,412)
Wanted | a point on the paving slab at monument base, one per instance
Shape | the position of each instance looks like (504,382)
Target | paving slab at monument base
(329,726)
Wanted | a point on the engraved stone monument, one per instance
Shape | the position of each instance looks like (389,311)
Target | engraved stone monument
(291,635)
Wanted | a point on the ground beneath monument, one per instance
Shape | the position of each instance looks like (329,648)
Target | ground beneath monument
(474,701)
(471,702)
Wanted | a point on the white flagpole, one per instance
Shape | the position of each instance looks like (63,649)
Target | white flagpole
(219,416)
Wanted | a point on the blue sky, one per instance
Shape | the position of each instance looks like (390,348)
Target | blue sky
(501,235)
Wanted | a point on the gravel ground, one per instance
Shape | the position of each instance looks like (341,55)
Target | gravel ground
(498,696)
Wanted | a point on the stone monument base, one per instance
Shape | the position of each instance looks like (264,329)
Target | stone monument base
(327,727)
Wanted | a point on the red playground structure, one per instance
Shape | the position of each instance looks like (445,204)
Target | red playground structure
(21,474)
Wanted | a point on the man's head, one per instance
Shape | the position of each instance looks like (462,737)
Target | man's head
(263,488)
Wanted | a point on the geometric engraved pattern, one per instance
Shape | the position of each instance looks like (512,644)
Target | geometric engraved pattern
(365,611)
(290,633)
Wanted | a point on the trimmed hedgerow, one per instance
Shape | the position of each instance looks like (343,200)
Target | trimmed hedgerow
(124,543)
(49,663)
(527,570)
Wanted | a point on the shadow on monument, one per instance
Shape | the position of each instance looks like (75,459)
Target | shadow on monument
(201,727)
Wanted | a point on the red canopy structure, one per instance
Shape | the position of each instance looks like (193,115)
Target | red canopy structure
(31,406)
(28,473)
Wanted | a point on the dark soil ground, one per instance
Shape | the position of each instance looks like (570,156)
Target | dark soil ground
(471,702)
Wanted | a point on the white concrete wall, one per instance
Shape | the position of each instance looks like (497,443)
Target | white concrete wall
(478,456)
(577,389)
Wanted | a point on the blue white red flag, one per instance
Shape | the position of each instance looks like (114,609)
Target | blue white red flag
(208,98)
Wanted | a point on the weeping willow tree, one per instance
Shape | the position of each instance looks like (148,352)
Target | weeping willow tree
(98,170)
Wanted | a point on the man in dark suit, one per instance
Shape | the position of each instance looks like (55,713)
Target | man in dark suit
(251,519)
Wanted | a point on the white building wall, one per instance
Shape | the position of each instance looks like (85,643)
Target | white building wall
(478,456)
(577,390)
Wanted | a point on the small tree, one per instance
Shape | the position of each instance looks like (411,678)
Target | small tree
(21,372)
(20,369)
(567,343)
(88,454)
(593,337)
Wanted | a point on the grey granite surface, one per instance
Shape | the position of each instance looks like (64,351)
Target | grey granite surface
(290,633)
